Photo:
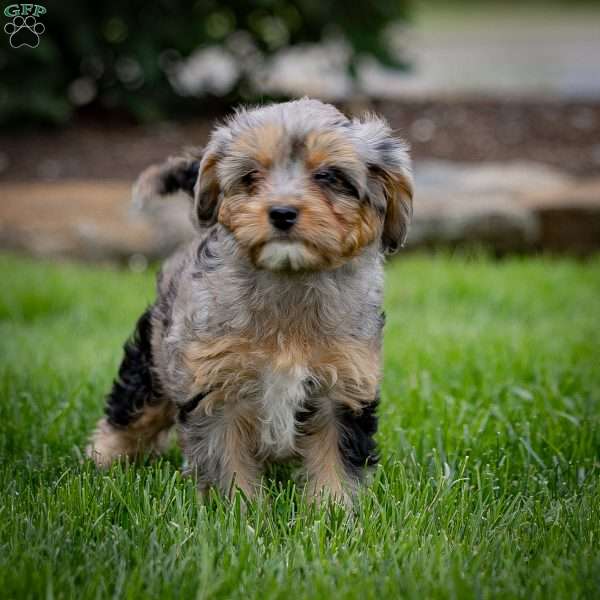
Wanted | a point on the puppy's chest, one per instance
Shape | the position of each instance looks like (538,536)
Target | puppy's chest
(271,380)
(282,395)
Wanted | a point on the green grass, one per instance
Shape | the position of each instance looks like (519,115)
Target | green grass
(490,440)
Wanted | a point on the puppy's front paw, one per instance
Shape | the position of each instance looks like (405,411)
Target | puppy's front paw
(323,495)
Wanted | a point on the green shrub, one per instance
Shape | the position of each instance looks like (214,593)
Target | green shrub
(118,56)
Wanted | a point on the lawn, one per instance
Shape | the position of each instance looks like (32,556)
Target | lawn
(489,484)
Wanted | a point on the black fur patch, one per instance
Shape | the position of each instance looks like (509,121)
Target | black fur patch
(183,178)
(308,410)
(134,386)
(357,446)
(190,405)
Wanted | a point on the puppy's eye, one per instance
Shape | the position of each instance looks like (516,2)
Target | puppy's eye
(336,180)
(249,178)
(328,177)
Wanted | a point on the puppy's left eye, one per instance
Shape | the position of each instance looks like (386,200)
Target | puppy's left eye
(328,177)
(335,179)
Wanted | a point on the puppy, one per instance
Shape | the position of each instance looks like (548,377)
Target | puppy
(264,343)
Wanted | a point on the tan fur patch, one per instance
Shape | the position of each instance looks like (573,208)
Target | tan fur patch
(346,369)
(221,448)
(326,476)
(239,454)
(329,147)
(399,196)
(147,434)
(355,367)
(264,144)
(333,232)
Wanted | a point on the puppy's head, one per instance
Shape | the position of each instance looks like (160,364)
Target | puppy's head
(301,187)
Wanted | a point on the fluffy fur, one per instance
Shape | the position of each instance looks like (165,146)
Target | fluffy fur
(264,343)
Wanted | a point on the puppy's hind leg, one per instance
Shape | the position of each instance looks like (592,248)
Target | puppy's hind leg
(138,417)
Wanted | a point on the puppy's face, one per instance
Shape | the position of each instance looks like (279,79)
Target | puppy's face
(295,200)
(303,188)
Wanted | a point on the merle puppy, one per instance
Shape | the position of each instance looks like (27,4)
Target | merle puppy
(264,343)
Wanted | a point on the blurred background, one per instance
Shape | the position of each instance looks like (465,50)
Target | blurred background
(500,102)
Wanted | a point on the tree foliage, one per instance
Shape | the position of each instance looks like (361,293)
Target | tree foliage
(118,55)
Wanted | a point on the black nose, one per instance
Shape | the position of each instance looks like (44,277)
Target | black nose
(283,217)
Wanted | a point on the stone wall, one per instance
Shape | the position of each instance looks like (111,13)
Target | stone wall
(508,207)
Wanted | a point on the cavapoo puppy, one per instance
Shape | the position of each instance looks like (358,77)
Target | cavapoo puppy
(264,343)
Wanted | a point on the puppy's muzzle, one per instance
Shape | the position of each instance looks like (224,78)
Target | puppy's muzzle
(283,217)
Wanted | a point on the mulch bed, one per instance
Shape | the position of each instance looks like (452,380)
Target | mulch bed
(563,134)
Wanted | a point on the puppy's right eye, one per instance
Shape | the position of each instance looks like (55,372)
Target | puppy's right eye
(249,179)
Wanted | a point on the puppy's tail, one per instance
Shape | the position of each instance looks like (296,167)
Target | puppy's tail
(175,175)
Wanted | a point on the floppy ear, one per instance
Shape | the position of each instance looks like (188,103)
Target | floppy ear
(206,197)
(389,180)
(208,189)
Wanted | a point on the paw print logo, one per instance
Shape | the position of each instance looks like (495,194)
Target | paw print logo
(24,31)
